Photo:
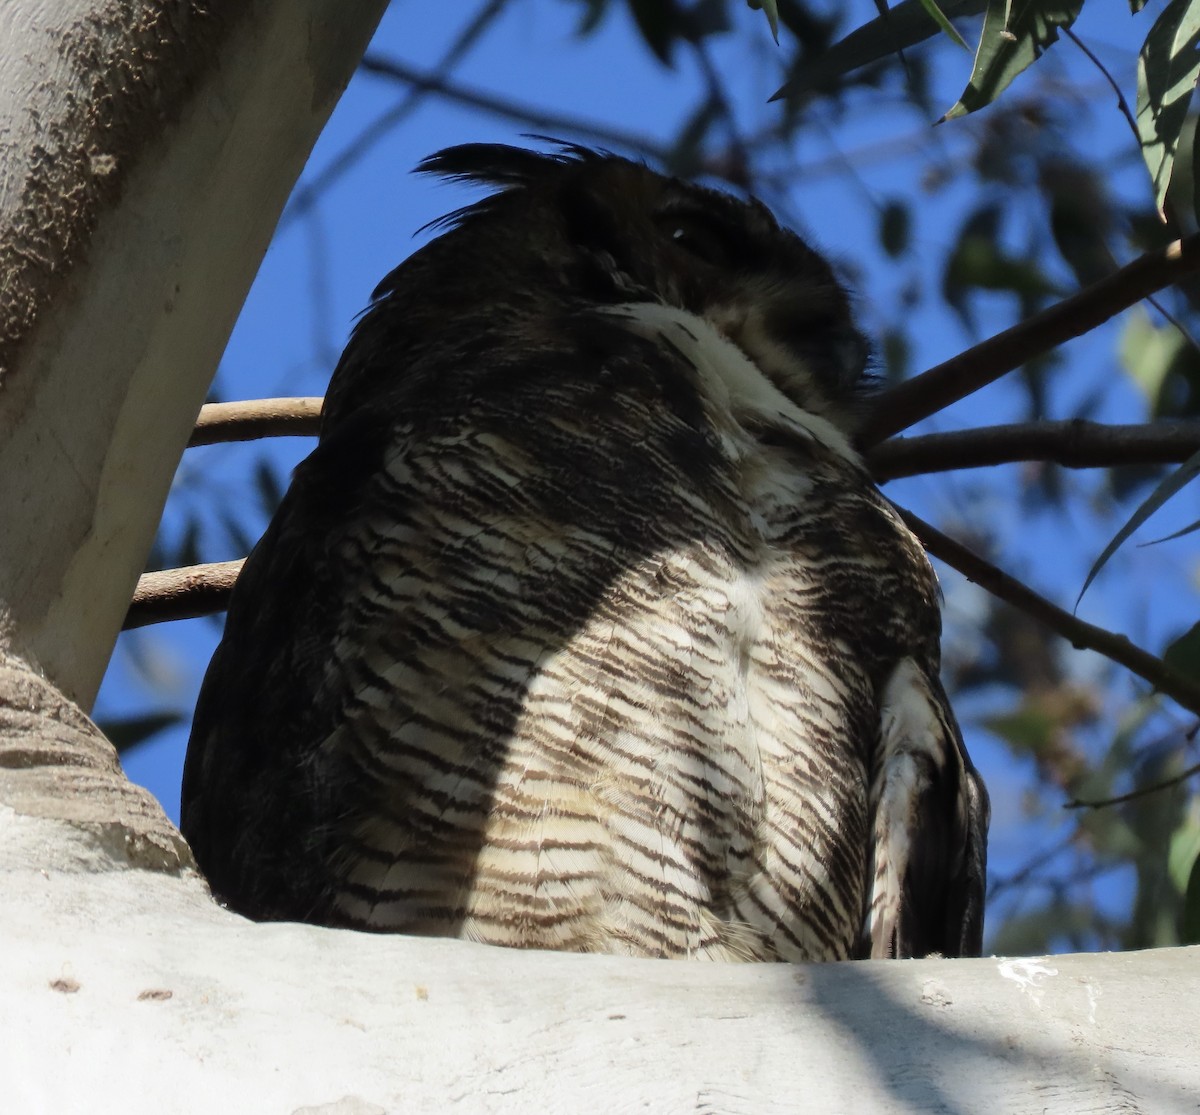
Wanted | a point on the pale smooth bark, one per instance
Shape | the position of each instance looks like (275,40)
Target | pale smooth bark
(147,148)
(127,990)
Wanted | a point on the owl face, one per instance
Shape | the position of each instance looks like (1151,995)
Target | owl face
(584,228)
(729,262)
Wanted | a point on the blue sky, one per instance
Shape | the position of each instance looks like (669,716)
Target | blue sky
(320,270)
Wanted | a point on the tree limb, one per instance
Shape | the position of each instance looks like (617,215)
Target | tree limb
(980,365)
(1081,635)
(1075,443)
(195,590)
(255,418)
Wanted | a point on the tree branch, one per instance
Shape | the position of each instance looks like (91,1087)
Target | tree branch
(1081,635)
(255,418)
(195,590)
(1140,792)
(308,193)
(1074,443)
(529,115)
(967,372)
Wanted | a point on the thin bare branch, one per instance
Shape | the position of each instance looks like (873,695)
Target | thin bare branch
(532,116)
(255,418)
(738,165)
(1074,443)
(1140,792)
(967,372)
(309,192)
(1122,103)
(1081,635)
(196,590)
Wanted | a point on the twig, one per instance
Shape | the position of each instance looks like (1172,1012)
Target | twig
(1141,791)
(196,590)
(1081,635)
(1122,103)
(1075,443)
(967,372)
(308,193)
(1023,874)
(255,418)
(739,169)
(530,115)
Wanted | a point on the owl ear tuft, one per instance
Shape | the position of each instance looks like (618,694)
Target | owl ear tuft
(497,164)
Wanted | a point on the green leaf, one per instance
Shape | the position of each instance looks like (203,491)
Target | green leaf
(594,12)
(1030,729)
(1016,33)
(769,8)
(1170,484)
(658,23)
(903,26)
(126,732)
(939,17)
(1189,924)
(1168,66)
(895,224)
(978,261)
(897,356)
(1183,655)
(1189,529)
(270,492)
(1148,353)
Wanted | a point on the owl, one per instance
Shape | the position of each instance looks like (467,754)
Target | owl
(584,626)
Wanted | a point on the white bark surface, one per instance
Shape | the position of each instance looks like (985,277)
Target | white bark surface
(127,990)
(146,150)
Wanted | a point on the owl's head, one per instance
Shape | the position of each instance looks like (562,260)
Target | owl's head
(583,227)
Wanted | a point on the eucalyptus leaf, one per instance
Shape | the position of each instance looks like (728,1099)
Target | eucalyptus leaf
(903,26)
(1168,66)
(769,8)
(1148,353)
(939,17)
(1189,923)
(1183,655)
(1171,484)
(1189,529)
(895,226)
(1016,33)
(127,732)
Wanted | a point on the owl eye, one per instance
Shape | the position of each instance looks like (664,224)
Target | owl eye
(698,237)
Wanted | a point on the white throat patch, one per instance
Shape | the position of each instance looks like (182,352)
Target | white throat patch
(732,380)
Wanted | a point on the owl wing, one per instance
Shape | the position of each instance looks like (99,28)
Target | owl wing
(251,797)
(442,543)
(930,817)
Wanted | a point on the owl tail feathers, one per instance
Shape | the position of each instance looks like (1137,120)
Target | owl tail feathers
(929,828)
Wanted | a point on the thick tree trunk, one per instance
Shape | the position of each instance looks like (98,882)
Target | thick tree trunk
(128,990)
(147,150)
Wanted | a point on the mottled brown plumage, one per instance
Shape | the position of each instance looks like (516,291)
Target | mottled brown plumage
(584,627)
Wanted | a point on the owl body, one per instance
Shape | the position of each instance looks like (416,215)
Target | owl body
(584,627)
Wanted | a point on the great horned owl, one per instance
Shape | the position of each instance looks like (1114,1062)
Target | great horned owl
(584,626)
